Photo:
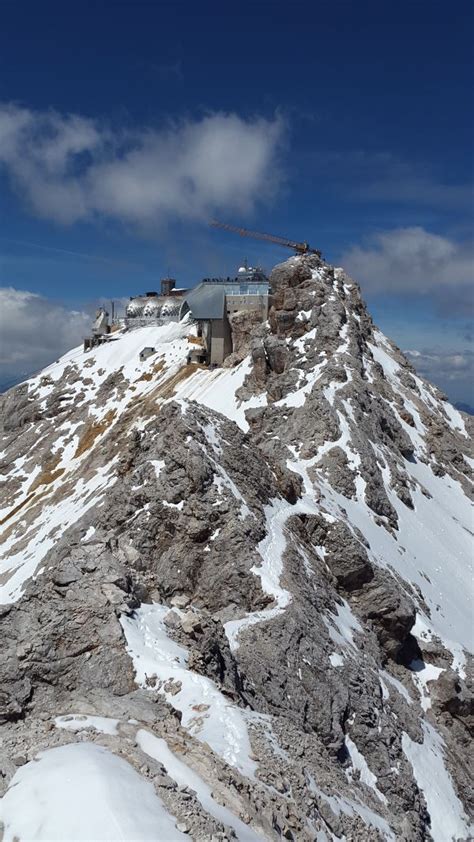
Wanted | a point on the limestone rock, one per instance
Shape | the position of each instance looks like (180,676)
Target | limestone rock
(236,553)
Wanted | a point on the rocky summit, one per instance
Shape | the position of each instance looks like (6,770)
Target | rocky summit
(235,602)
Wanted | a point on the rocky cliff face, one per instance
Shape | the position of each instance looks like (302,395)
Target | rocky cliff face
(249,585)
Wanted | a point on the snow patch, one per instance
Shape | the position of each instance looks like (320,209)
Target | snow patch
(206,713)
(340,804)
(396,684)
(82,792)
(342,625)
(271,550)
(184,776)
(423,673)
(58,517)
(158,465)
(359,764)
(336,659)
(448,820)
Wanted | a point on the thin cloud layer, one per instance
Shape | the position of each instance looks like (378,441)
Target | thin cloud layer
(34,331)
(414,261)
(69,168)
(385,177)
(447,365)
(452,370)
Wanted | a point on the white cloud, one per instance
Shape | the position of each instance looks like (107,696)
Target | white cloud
(34,331)
(414,261)
(434,363)
(70,168)
(451,369)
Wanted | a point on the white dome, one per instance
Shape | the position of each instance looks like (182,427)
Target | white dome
(151,308)
(134,308)
(170,308)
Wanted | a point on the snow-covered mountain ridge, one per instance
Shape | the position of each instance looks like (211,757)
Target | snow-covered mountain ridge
(250,581)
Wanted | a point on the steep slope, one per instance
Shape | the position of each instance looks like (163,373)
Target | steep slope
(251,583)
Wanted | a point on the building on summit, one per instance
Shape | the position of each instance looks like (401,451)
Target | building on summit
(154,307)
(213,302)
(211,305)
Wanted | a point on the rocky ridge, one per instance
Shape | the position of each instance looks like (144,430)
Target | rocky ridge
(265,566)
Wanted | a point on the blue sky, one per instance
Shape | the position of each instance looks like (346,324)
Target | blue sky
(124,126)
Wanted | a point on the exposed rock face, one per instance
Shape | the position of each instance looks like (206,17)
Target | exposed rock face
(244,325)
(264,565)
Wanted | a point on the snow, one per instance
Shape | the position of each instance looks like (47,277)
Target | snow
(417,433)
(223,480)
(209,431)
(55,517)
(343,333)
(216,389)
(271,550)
(158,465)
(353,458)
(178,506)
(82,722)
(298,397)
(359,763)
(304,316)
(183,775)
(384,675)
(82,792)
(448,821)
(423,673)
(436,535)
(90,532)
(89,371)
(383,356)
(329,392)
(455,419)
(300,343)
(336,660)
(213,388)
(438,547)
(122,351)
(349,411)
(385,693)
(340,804)
(219,723)
(423,630)
(342,625)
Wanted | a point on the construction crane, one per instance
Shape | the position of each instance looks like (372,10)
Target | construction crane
(300,248)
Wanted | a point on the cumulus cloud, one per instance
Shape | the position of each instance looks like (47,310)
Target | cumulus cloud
(70,168)
(414,261)
(34,331)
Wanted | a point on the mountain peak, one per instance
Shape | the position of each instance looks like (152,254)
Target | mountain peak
(260,569)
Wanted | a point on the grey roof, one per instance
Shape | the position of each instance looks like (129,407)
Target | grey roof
(206,301)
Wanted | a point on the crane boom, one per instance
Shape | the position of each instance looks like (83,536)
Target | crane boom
(300,248)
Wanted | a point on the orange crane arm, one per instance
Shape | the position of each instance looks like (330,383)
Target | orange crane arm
(300,248)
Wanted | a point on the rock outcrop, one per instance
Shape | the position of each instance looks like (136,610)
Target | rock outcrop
(263,566)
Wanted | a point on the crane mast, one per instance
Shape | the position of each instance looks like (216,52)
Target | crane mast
(299,248)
